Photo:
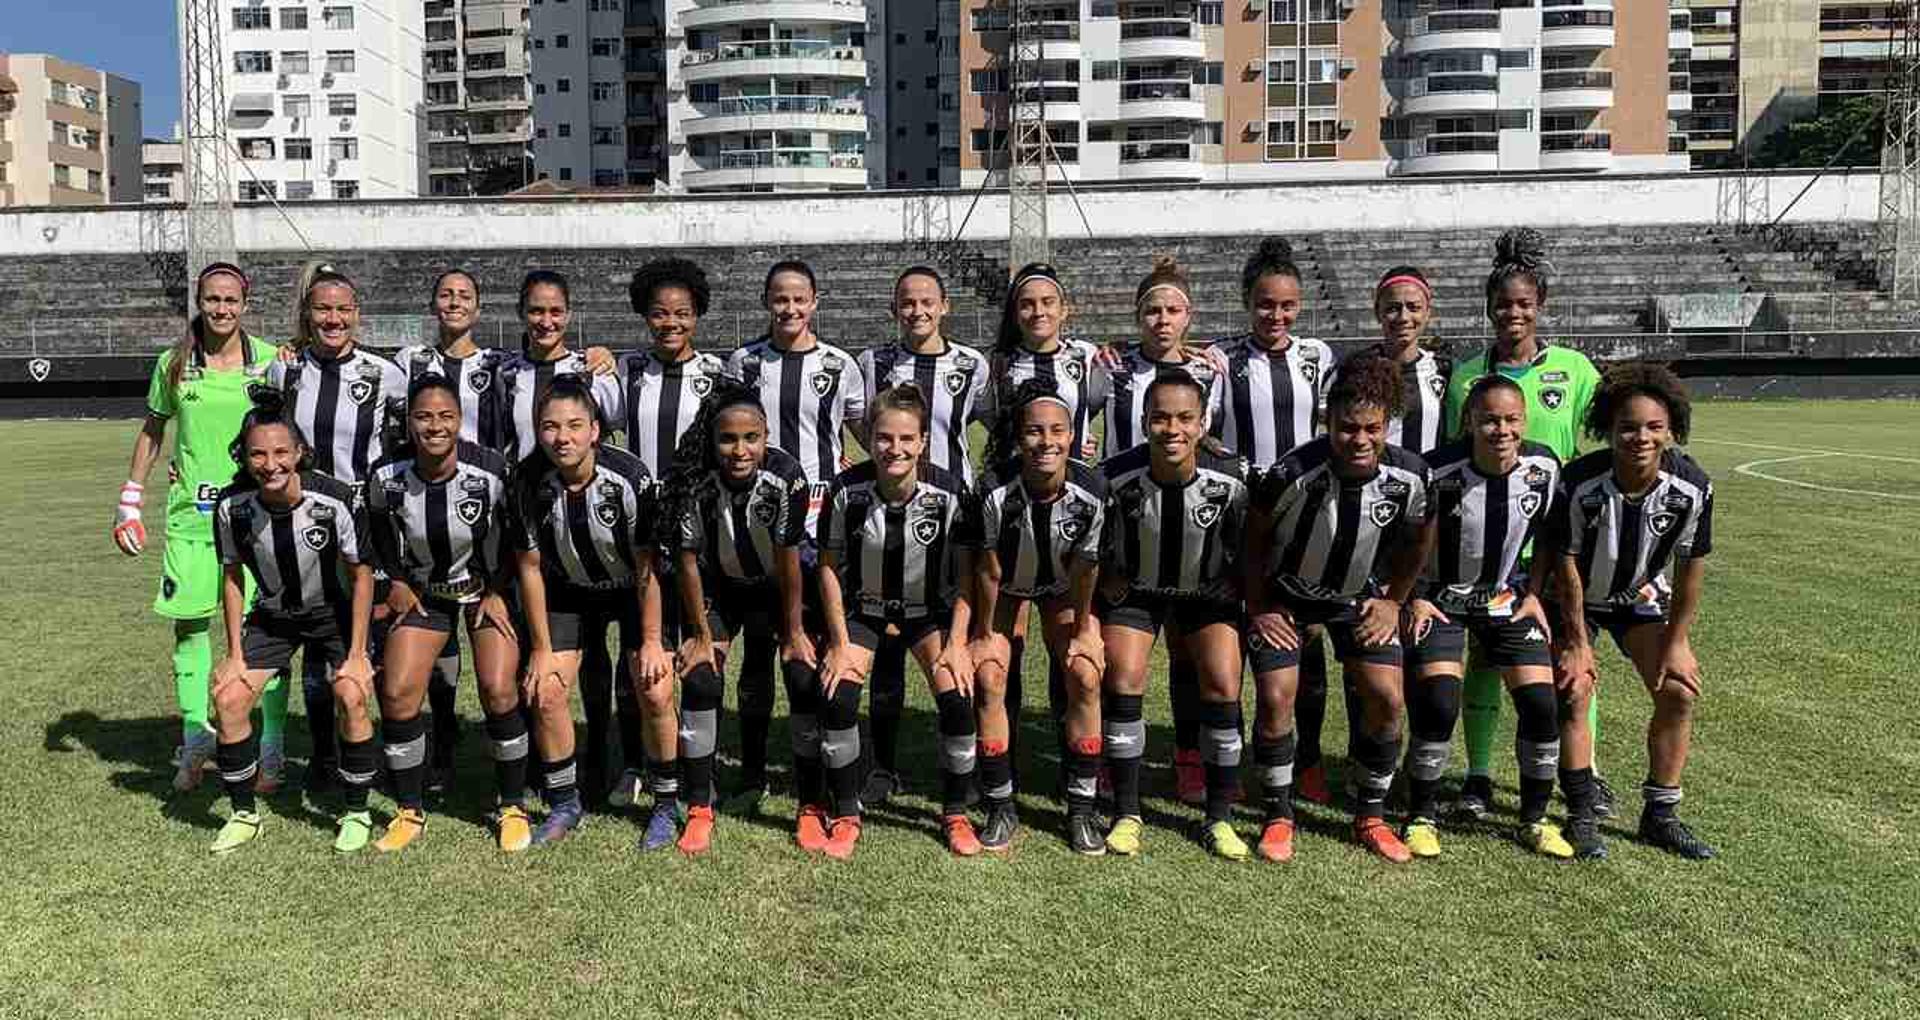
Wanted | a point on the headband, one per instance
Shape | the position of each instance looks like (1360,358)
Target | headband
(1406,278)
(1162,285)
(226,269)
(1036,271)
(1054,398)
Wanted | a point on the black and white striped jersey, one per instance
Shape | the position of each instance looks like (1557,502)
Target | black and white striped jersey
(591,537)
(1127,399)
(1272,401)
(957,383)
(295,555)
(1039,542)
(1175,539)
(1421,426)
(475,376)
(1623,545)
(659,401)
(1485,524)
(810,397)
(442,538)
(523,380)
(1332,536)
(1073,369)
(736,532)
(344,405)
(897,562)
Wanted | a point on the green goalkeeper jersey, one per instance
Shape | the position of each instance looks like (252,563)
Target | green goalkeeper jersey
(205,409)
(1559,384)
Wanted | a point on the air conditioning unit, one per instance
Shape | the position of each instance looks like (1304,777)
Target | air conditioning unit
(295,123)
(1253,68)
(346,123)
(1348,65)
(326,80)
(286,80)
(1346,126)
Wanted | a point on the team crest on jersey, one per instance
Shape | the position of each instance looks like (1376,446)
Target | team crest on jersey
(956,381)
(480,380)
(702,385)
(1530,504)
(1310,371)
(1206,515)
(360,391)
(469,510)
(1551,397)
(1663,522)
(1438,386)
(926,530)
(823,382)
(316,537)
(1073,524)
(1384,512)
(1074,370)
(607,514)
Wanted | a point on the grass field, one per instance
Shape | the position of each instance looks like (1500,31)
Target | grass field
(1806,753)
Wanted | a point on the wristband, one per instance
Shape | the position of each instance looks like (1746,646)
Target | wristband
(132,493)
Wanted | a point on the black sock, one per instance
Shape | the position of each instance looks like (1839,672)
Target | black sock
(507,742)
(1016,656)
(1433,704)
(1220,749)
(359,765)
(700,693)
(996,773)
(596,703)
(803,723)
(443,702)
(628,721)
(563,782)
(1183,693)
(1310,703)
(1275,759)
(1126,741)
(1083,775)
(756,707)
(1536,747)
(1577,785)
(239,765)
(840,748)
(663,781)
(1376,753)
(405,743)
(1661,801)
(957,750)
(887,702)
(316,688)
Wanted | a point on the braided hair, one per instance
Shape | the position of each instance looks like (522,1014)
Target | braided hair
(1367,377)
(269,408)
(1003,437)
(1520,253)
(1630,379)
(690,474)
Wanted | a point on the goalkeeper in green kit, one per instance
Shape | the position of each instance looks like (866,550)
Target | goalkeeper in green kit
(201,386)
(1559,383)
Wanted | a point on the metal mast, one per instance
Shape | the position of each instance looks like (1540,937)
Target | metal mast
(1027,148)
(1897,239)
(204,150)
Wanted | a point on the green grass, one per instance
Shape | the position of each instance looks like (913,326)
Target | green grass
(1806,753)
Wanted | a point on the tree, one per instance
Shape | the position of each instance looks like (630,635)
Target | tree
(1855,126)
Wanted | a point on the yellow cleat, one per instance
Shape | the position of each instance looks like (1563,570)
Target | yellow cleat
(1545,838)
(516,831)
(1423,838)
(1124,837)
(1220,838)
(402,831)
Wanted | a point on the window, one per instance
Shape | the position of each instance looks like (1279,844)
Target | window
(566,130)
(1210,12)
(933,129)
(346,189)
(899,38)
(257,191)
(1282,12)
(1516,58)
(566,173)
(256,148)
(987,81)
(606,46)
(296,106)
(1323,126)
(297,149)
(293,17)
(1106,70)
(293,62)
(704,92)
(606,178)
(539,44)
(93,181)
(343,148)
(603,136)
(933,175)
(1284,71)
(299,191)
(245,18)
(340,61)
(1323,10)
(539,132)
(560,41)
(1323,64)
(933,81)
(336,17)
(343,105)
(1105,9)
(900,132)
(1208,73)
(603,90)
(1283,132)
(252,62)
(1208,133)
(539,88)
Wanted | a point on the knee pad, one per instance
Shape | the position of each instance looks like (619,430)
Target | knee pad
(956,713)
(843,708)
(803,687)
(1432,708)
(1538,710)
(701,689)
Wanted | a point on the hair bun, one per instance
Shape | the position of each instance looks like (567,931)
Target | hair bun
(1276,248)
(1521,246)
(266,399)
(1164,263)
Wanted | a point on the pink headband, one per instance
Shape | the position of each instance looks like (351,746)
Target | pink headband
(1405,278)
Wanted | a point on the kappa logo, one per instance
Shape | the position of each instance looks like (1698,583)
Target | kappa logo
(1206,515)
(1534,634)
(823,383)
(39,368)
(469,510)
(926,530)
(956,382)
(316,537)
(360,391)
(1530,504)
(1551,397)
(1384,512)
(1663,522)
(702,385)
(480,381)
(607,514)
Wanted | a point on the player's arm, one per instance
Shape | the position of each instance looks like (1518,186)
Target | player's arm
(1266,618)
(233,612)
(129,533)
(698,647)
(651,664)
(541,660)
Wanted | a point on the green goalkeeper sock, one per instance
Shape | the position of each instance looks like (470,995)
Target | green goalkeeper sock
(273,711)
(192,665)
(1480,716)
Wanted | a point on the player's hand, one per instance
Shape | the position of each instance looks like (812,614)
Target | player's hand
(798,647)
(493,609)
(1214,357)
(650,664)
(286,354)
(1679,667)
(1275,627)
(955,660)
(1573,668)
(695,650)
(401,601)
(1110,357)
(833,667)
(992,650)
(357,673)
(128,533)
(1379,622)
(231,670)
(541,667)
(1421,616)
(1531,609)
(1086,644)
(601,361)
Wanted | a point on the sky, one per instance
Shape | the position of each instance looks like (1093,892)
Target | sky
(134,39)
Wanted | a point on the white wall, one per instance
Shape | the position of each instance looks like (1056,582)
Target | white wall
(862,217)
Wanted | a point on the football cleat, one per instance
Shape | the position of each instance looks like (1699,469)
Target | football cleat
(810,829)
(1544,838)
(842,835)
(697,838)
(238,832)
(1422,838)
(1124,837)
(402,831)
(1375,835)
(1671,834)
(961,838)
(1220,840)
(1276,840)
(515,828)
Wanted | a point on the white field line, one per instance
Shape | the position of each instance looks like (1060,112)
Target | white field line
(1808,449)
(1749,469)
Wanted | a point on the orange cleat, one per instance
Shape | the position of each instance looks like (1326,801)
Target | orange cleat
(960,836)
(1189,777)
(1311,783)
(1276,840)
(810,831)
(697,837)
(1375,835)
(842,835)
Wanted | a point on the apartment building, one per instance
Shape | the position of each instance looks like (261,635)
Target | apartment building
(325,99)
(69,134)
(477,96)
(163,171)
(1191,90)
(599,99)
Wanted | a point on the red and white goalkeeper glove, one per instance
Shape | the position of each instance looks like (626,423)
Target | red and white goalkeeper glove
(128,533)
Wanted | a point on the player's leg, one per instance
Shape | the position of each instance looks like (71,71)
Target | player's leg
(1128,631)
(553,730)
(412,644)
(1576,764)
(596,703)
(1375,673)
(840,737)
(1518,648)
(886,704)
(1183,697)
(991,720)
(1669,738)
(238,755)
(1481,693)
(958,734)
(1434,666)
(1080,730)
(761,649)
(316,692)
(1211,638)
(701,692)
(805,709)
(359,762)
(273,734)
(496,668)
(443,689)
(1310,718)
(660,731)
(189,596)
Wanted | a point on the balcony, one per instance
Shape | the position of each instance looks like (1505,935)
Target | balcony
(1160,39)
(1460,152)
(1161,99)
(1450,92)
(790,58)
(1060,40)
(1576,150)
(716,13)
(1581,28)
(777,113)
(1452,30)
(1576,90)
(1059,99)
(1159,161)
(809,168)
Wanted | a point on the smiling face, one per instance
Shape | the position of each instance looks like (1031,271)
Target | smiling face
(1358,434)
(1514,311)
(433,422)
(899,438)
(672,318)
(1165,316)
(273,458)
(545,313)
(1498,421)
(222,302)
(1040,311)
(1045,438)
(790,301)
(1272,307)
(1175,419)
(568,431)
(1403,310)
(740,442)
(1642,431)
(456,302)
(333,313)
(919,307)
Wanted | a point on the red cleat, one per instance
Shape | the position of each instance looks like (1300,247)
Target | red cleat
(1189,777)
(1276,841)
(960,836)
(697,837)
(842,835)
(1375,835)
(1311,783)
(811,829)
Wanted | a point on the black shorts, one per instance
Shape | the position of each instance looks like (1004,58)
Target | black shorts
(268,641)
(1504,641)
(869,631)
(1341,622)
(735,607)
(1148,612)
(1619,621)
(574,612)
(435,614)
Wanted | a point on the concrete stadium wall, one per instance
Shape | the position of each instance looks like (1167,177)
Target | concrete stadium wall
(884,217)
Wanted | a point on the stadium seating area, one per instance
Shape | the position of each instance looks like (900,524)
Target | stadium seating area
(1820,274)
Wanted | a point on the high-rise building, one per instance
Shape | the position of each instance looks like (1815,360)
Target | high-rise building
(1206,90)
(163,171)
(69,134)
(479,115)
(325,99)
(599,99)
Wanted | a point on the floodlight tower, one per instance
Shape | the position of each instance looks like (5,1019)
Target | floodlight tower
(205,150)
(1027,143)
(1897,236)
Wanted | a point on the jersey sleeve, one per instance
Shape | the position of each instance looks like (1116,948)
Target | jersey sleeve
(1697,540)
(1270,488)
(1087,546)
(853,399)
(870,379)
(160,397)
(224,541)
(986,515)
(348,532)
(610,393)
(1558,533)
(795,503)
(833,519)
